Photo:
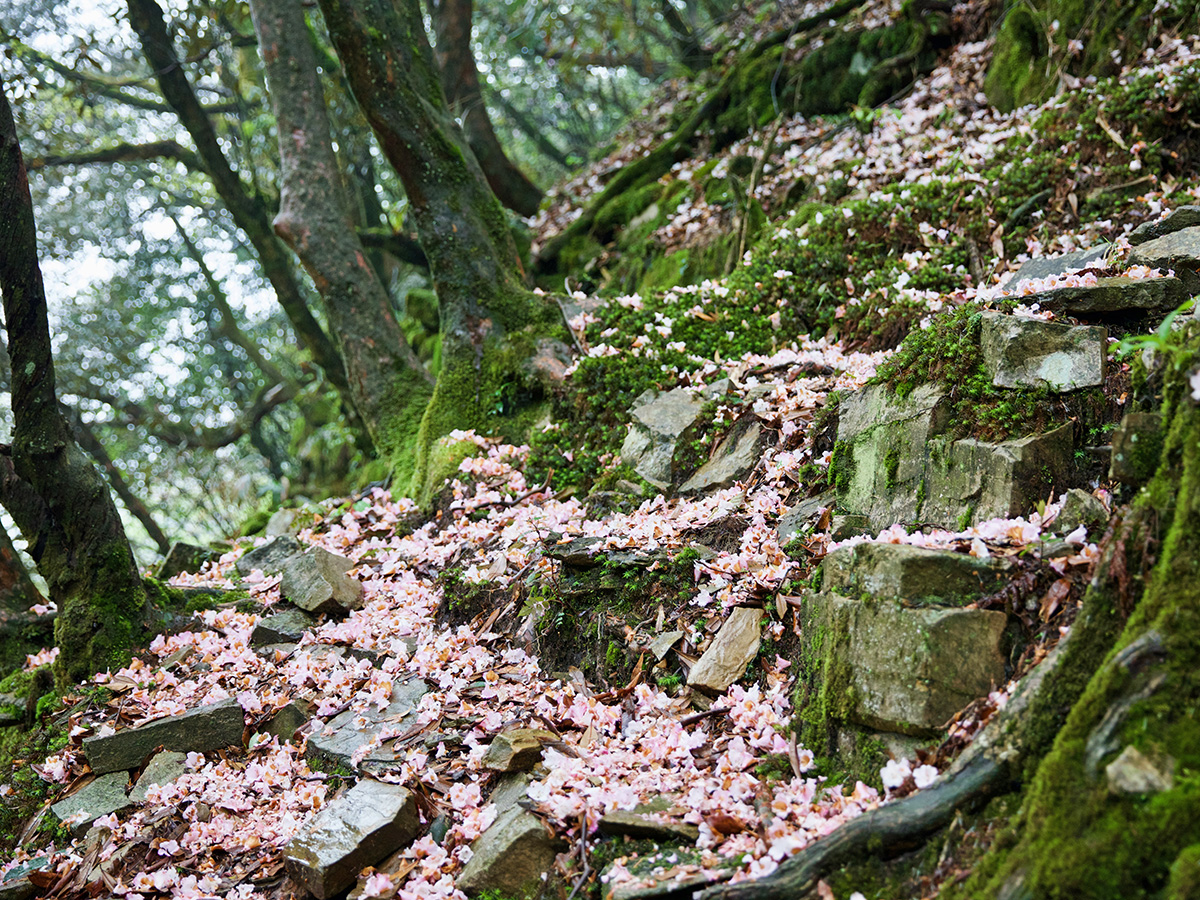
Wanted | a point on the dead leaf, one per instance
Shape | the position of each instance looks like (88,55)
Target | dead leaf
(725,824)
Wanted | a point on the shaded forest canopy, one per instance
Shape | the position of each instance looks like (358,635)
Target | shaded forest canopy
(746,447)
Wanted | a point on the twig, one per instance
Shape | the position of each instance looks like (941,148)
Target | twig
(696,717)
(583,856)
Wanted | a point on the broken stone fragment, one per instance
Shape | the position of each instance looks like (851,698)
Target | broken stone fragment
(1179,218)
(1134,773)
(726,658)
(661,424)
(202,730)
(1177,250)
(340,737)
(285,722)
(283,627)
(163,769)
(283,521)
(183,557)
(513,857)
(269,557)
(1079,508)
(734,459)
(915,574)
(1029,353)
(662,644)
(1136,446)
(316,582)
(101,796)
(517,749)
(802,515)
(648,826)
(356,830)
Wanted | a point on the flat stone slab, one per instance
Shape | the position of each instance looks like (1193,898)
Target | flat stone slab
(648,826)
(734,459)
(1178,249)
(800,516)
(103,795)
(1047,267)
(517,749)
(163,769)
(356,830)
(511,858)
(286,627)
(269,557)
(1178,218)
(662,644)
(726,658)
(343,738)
(1030,353)
(316,582)
(1116,297)
(202,730)
(914,574)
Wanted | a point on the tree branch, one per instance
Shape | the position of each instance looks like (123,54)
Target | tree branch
(402,246)
(121,153)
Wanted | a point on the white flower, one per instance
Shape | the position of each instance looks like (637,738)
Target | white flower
(893,774)
(924,776)
(1194,381)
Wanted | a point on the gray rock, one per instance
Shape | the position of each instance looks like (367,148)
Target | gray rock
(968,481)
(1079,508)
(1060,265)
(183,557)
(512,858)
(1177,250)
(283,521)
(163,769)
(316,582)
(648,826)
(734,459)
(284,627)
(914,574)
(285,722)
(926,410)
(662,644)
(269,557)
(356,830)
(202,730)
(661,425)
(848,525)
(905,670)
(1118,297)
(726,658)
(517,749)
(1176,219)
(1136,447)
(579,553)
(802,515)
(101,796)
(677,873)
(343,738)
(1030,353)
(19,888)
(510,790)
(1134,773)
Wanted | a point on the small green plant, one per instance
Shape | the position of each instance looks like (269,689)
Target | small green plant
(1163,340)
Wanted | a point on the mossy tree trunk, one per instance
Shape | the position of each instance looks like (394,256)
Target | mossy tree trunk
(1084,830)
(50,487)
(315,220)
(485,308)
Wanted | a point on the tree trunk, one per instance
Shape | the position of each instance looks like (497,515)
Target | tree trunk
(472,257)
(315,221)
(460,82)
(248,213)
(58,498)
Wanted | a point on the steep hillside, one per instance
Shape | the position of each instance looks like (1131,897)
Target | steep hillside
(859,557)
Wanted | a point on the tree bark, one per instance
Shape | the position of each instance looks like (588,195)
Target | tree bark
(315,220)
(250,215)
(77,540)
(473,260)
(460,82)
